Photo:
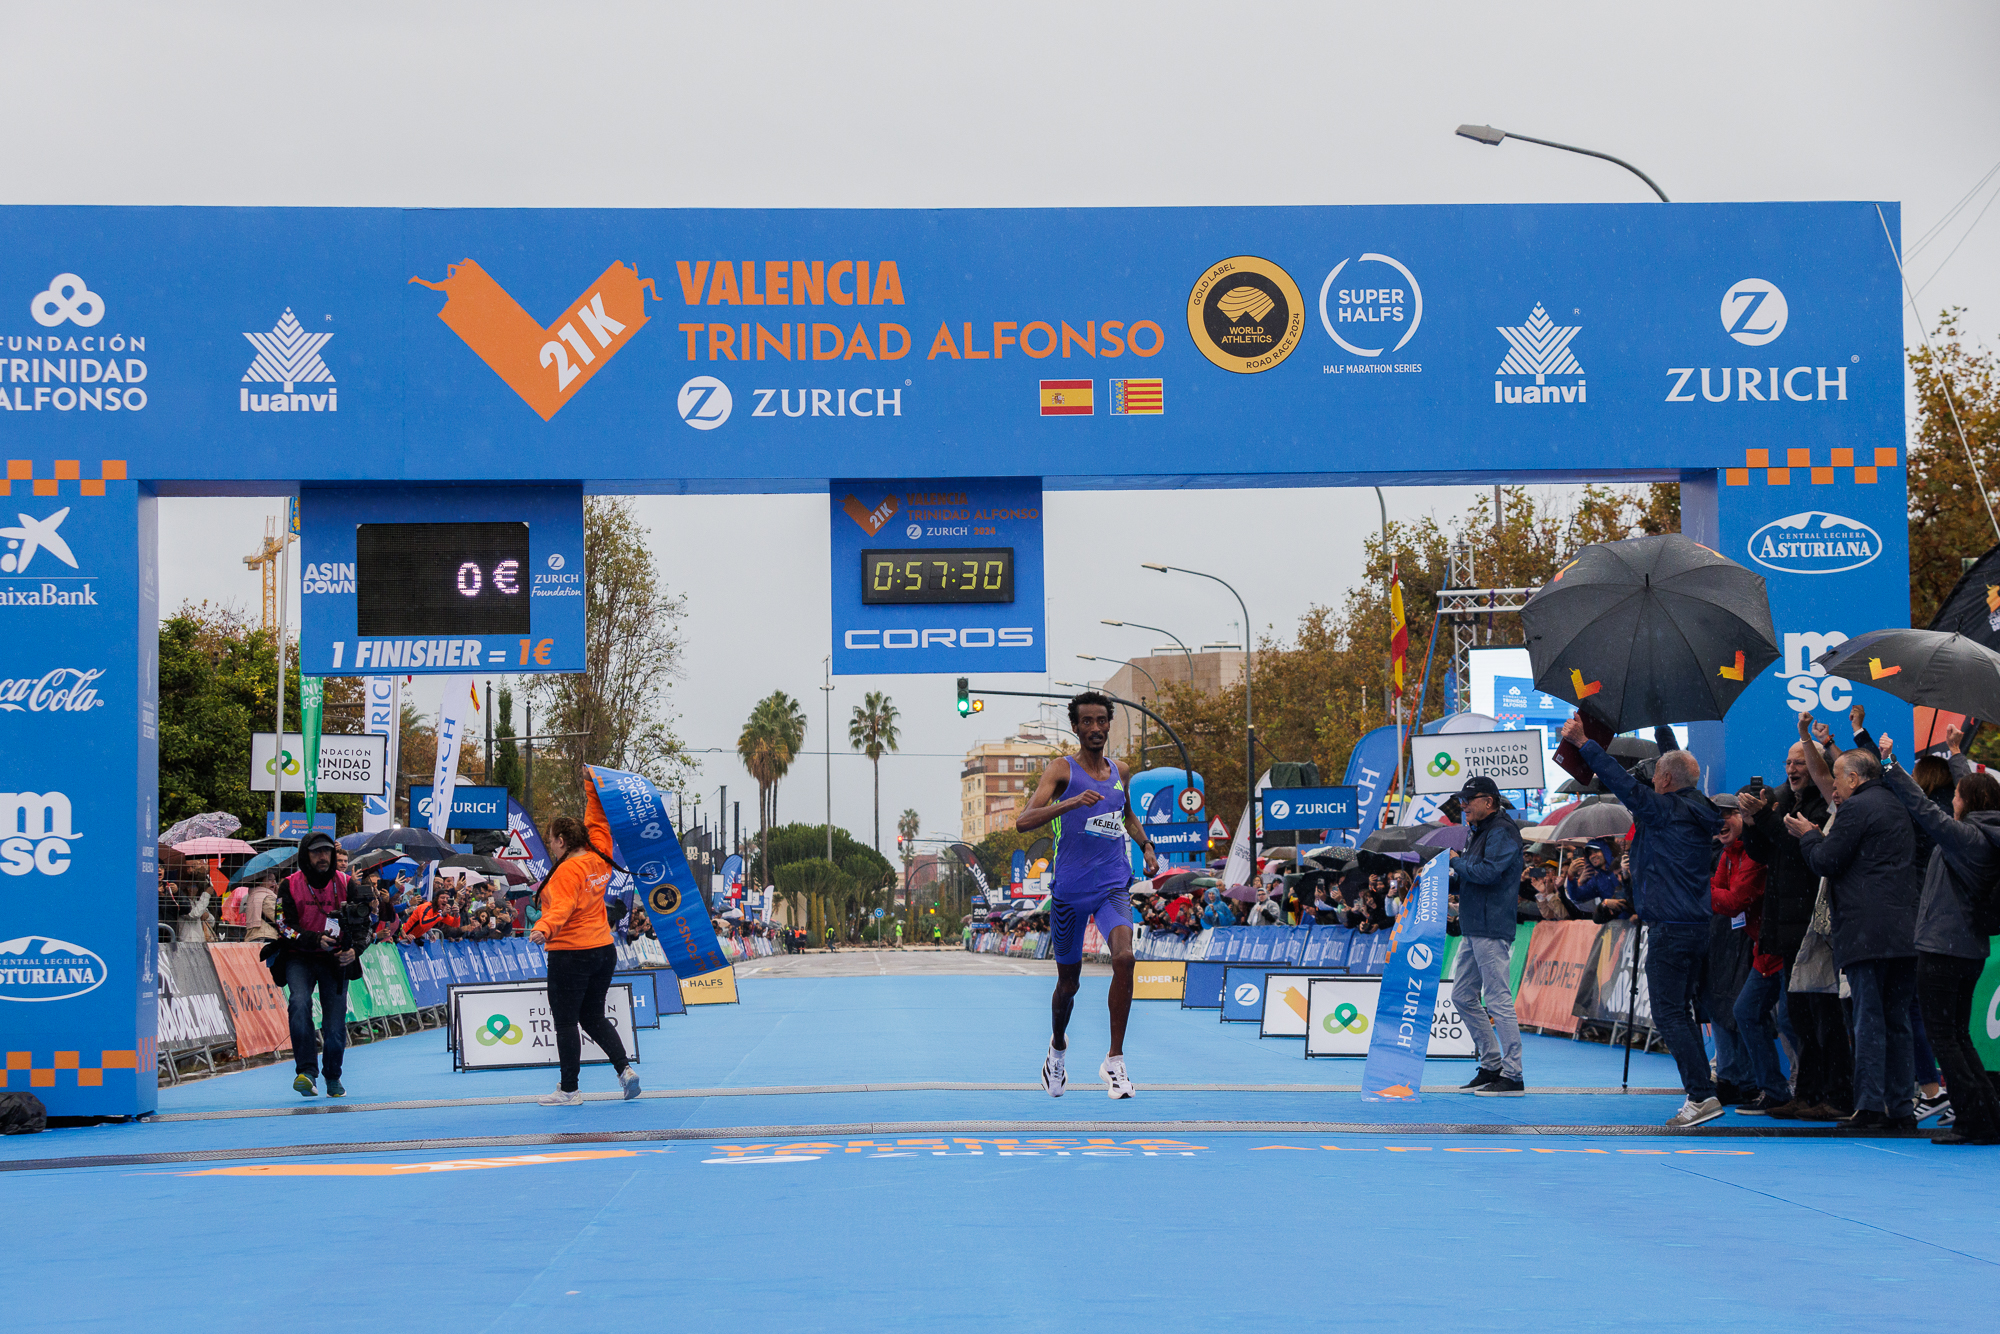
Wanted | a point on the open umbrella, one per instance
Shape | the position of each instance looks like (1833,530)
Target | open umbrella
(273,860)
(215,847)
(1604,819)
(214,824)
(1650,630)
(1934,667)
(493,868)
(411,841)
(1452,836)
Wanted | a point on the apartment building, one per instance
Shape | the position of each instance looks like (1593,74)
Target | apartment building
(998,778)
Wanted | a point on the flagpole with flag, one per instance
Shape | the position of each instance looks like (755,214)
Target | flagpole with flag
(1399,652)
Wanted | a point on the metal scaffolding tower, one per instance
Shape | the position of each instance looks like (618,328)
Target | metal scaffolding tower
(1462,605)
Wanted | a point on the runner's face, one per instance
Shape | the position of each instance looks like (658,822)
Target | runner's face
(1093,726)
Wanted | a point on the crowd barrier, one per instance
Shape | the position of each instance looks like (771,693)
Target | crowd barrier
(218,998)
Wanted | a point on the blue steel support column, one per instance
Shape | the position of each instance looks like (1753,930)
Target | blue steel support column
(1829,533)
(80,735)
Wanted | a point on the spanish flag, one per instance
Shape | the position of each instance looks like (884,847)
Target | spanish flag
(1066,398)
(1399,628)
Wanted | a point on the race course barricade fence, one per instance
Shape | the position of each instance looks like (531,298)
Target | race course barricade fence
(219,1006)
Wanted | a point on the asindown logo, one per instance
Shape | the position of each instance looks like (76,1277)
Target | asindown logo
(42,968)
(546,367)
(1815,542)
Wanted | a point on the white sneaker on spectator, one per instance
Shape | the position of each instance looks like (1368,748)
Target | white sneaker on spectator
(561,1099)
(1928,1107)
(1055,1077)
(628,1080)
(1117,1084)
(1693,1113)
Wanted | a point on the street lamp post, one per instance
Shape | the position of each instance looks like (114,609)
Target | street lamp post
(1486,134)
(1249,715)
(1169,634)
(1089,657)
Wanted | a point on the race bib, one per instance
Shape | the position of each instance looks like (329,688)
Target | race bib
(1109,825)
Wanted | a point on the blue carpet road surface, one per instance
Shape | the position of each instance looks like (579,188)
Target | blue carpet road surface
(1023,1224)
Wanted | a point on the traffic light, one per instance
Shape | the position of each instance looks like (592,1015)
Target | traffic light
(967,706)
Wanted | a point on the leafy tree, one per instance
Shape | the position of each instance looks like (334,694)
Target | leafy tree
(871,731)
(1948,520)
(617,704)
(868,876)
(218,686)
(770,740)
(507,769)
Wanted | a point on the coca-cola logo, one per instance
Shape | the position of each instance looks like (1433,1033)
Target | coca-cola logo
(63,690)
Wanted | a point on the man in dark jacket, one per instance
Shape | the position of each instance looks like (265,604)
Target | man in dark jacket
(312,954)
(1822,1084)
(1873,891)
(1486,877)
(1670,868)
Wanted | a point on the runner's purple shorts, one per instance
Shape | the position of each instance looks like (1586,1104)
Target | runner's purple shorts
(1112,908)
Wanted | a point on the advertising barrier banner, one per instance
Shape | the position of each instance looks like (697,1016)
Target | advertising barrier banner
(1161,980)
(384,982)
(1285,1005)
(1202,988)
(1407,1003)
(508,1027)
(1443,761)
(423,969)
(1559,954)
(256,1006)
(1332,1029)
(716,988)
(1604,990)
(192,1011)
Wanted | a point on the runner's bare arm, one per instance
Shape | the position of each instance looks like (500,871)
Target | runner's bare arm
(1138,834)
(1043,807)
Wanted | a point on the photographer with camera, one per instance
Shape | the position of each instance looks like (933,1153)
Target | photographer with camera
(324,923)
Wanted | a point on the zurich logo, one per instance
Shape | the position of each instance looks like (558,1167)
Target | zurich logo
(41,968)
(1814,542)
(1247,994)
(704,402)
(1280,809)
(1754,312)
(1420,957)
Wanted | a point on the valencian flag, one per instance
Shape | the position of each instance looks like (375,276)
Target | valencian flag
(644,842)
(1399,628)
(1066,398)
(1138,398)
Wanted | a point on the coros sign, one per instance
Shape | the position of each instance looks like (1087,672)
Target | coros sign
(42,968)
(1814,542)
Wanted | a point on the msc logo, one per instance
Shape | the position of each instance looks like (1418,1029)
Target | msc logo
(35,833)
(1754,312)
(1815,542)
(704,402)
(1247,993)
(1807,686)
(546,367)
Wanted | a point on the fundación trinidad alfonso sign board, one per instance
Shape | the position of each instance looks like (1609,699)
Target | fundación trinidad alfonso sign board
(964,362)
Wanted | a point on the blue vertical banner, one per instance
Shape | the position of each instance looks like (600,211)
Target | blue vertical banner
(1408,999)
(1371,768)
(643,838)
(79,729)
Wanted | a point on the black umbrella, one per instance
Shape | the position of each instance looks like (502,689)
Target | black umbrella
(512,872)
(1946,671)
(1650,630)
(419,843)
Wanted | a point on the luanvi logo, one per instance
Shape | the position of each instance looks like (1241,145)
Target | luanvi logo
(289,356)
(546,367)
(1539,348)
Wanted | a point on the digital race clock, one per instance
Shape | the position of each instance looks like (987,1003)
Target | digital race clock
(937,575)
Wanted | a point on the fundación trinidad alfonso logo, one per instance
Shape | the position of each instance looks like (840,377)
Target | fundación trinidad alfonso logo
(499,1028)
(546,367)
(1246,314)
(288,356)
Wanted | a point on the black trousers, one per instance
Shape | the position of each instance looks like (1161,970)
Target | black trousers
(1944,989)
(578,980)
(1826,1061)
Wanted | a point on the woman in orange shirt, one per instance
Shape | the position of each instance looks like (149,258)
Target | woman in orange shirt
(577,935)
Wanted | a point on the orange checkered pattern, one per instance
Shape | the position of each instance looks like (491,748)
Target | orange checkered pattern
(66,470)
(21,1067)
(1759,465)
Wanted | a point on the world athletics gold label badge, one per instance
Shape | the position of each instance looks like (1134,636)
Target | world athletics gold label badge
(1246,314)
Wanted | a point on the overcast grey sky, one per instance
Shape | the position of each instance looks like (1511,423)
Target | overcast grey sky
(925,105)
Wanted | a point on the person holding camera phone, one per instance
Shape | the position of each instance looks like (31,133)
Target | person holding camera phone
(322,929)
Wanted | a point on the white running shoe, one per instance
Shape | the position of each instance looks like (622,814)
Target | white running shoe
(1694,1113)
(1055,1078)
(1117,1084)
(561,1099)
(628,1080)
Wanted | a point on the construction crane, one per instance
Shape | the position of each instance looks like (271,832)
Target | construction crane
(266,562)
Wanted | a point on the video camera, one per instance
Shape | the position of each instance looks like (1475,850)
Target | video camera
(357,917)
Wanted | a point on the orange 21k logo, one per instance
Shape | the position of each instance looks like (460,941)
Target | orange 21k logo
(546,367)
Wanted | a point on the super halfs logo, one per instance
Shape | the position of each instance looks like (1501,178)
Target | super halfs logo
(546,367)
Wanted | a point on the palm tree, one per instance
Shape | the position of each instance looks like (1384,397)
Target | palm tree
(770,739)
(906,827)
(871,731)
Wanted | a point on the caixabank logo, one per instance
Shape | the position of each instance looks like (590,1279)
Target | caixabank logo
(546,367)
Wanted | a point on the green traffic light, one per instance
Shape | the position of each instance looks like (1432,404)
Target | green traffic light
(964,698)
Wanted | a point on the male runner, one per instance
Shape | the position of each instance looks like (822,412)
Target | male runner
(1085,796)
